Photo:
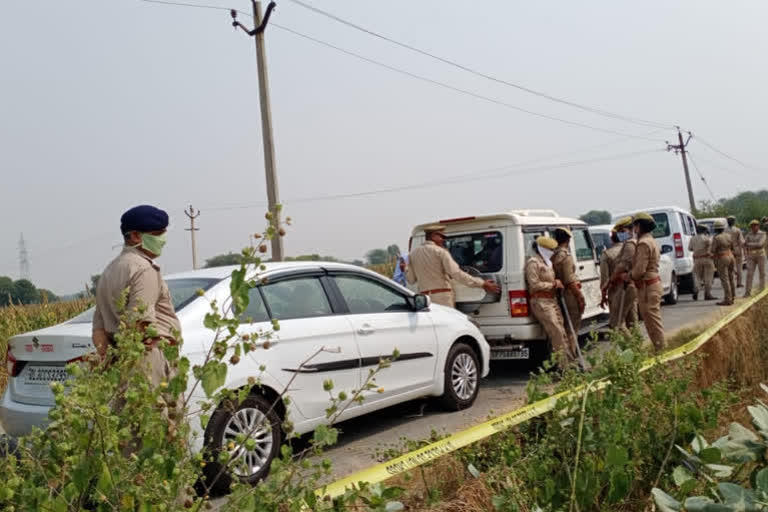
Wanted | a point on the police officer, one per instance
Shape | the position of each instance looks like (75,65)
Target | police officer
(542,289)
(611,295)
(754,243)
(627,305)
(565,271)
(144,232)
(703,266)
(722,252)
(645,274)
(737,237)
(433,268)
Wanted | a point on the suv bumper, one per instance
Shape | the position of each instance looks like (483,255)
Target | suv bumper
(18,419)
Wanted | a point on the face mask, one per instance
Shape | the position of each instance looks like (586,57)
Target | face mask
(547,255)
(153,243)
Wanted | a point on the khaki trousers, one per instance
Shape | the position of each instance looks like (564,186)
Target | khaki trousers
(756,259)
(739,264)
(649,300)
(614,305)
(704,272)
(630,306)
(444,299)
(547,312)
(572,305)
(725,268)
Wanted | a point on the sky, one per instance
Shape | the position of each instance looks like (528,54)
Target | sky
(106,104)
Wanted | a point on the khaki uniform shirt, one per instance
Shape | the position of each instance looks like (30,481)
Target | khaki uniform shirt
(627,256)
(755,242)
(737,237)
(700,246)
(608,262)
(134,270)
(539,276)
(646,264)
(565,268)
(433,268)
(722,243)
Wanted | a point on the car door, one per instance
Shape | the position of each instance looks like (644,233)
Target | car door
(313,343)
(587,269)
(383,321)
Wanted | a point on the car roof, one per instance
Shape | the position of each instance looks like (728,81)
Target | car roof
(658,209)
(601,228)
(270,267)
(710,219)
(527,217)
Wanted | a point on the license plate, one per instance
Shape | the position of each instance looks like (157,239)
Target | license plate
(516,353)
(45,374)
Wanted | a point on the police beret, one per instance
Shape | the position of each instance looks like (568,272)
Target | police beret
(642,216)
(731,217)
(546,242)
(622,223)
(144,218)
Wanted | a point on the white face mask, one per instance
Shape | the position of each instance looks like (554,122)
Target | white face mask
(546,254)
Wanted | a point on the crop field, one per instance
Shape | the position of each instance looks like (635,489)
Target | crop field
(18,319)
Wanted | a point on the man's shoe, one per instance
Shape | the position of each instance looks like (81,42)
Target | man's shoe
(696,295)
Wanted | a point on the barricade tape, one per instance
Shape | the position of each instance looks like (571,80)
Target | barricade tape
(416,458)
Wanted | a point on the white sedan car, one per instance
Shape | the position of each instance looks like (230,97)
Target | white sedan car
(358,316)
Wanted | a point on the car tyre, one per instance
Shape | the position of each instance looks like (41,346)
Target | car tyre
(462,378)
(674,293)
(255,413)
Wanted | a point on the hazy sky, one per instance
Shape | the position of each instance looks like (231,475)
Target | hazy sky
(105,104)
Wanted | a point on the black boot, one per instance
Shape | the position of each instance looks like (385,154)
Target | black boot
(696,295)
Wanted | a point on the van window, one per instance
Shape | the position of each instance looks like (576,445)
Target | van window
(583,244)
(691,225)
(483,251)
(685,226)
(662,225)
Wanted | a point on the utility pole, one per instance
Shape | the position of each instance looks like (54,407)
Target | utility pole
(192,216)
(273,197)
(681,149)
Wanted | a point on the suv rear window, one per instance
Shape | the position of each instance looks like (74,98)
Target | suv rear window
(662,225)
(483,251)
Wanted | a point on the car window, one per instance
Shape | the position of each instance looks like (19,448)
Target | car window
(662,225)
(483,251)
(183,292)
(685,227)
(583,244)
(691,225)
(367,296)
(256,311)
(297,298)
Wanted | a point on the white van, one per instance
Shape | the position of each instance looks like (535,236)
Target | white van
(709,222)
(674,229)
(496,247)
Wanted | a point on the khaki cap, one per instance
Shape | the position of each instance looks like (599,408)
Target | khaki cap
(642,216)
(754,222)
(719,224)
(547,242)
(622,223)
(731,217)
(434,228)
(565,230)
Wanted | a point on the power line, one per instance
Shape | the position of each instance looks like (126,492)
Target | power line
(457,89)
(703,180)
(462,67)
(726,155)
(184,4)
(488,174)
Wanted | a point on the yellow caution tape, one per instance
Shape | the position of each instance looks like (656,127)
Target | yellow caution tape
(416,458)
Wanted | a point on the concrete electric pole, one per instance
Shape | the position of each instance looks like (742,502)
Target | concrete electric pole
(680,147)
(273,197)
(192,214)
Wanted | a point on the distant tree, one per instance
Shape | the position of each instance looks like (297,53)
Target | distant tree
(359,263)
(94,283)
(393,251)
(24,292)
(6,290)
(744,206)
(310,257)
(47,295)
(224,260)
(377,256)
(596,217)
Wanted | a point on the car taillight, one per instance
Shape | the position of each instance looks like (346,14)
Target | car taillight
(678,245)
(14,367)
(518,303)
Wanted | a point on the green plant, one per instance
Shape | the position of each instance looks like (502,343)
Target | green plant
(732,471)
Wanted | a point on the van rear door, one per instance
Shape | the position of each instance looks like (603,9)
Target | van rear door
(480,253)
(587,270)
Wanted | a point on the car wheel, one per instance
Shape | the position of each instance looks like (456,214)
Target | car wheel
(462,378)
(674,294)
(256,418)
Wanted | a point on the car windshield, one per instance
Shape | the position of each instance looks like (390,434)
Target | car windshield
(183,292)
(482,251)
(662,225)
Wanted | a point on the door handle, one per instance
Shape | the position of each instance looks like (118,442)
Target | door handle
(581,267)
(365,330)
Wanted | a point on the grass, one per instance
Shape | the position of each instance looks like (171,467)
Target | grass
(20,319)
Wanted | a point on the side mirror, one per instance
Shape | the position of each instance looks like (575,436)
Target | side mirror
(421,302)
(666,248)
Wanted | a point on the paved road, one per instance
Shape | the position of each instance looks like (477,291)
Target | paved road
(502,391)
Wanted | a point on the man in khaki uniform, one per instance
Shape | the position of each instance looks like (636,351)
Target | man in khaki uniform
(754,243)
(703,266)
(565,272)
(645,274)
(722,251)
(542,290)
(737,237)
(611,295)
(433,268)
(628,304)
(143,229)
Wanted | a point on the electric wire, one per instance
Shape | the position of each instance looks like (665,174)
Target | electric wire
(703,180)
